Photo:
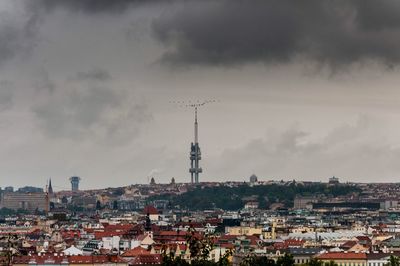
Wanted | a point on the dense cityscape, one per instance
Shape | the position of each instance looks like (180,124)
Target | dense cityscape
(351,224)
(199,133)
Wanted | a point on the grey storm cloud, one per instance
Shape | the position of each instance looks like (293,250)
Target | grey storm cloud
(230,32)
(82,110)
(44,83)
(344,151)
(94,74)
(18,34)
(88,6)
(6,94)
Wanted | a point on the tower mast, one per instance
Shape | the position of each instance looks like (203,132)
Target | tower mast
(195,126)
(195,152)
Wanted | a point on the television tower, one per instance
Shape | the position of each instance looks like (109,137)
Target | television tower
(195,152)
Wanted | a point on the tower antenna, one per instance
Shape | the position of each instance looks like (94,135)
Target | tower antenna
(195,153)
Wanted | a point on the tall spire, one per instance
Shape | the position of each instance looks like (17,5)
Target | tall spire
(195,153)
(196,127)
(50,188)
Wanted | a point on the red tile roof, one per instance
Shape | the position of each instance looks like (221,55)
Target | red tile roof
(135,252)
(150,210)
(227,245)
(118,227)
(85,259)
(363,238)
(348,244)
(53,259)
(342,256)
(100,235)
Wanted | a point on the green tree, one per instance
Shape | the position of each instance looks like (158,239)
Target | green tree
(7,212)
(285,260)
(393,261)
(331,263)
(224,261)
(253,260)
(12,247)
(200,248)
(119,191)
(178,261)
(98,205)
(314,262)
(230,198)
(115,205)
(174,261)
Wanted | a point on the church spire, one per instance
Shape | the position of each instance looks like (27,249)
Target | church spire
(50,188)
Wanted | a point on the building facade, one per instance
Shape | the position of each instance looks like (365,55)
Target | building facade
(24,201)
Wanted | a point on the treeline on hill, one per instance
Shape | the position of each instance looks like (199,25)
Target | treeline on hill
(286,260)
(252,260)
(8,212)
(234,198)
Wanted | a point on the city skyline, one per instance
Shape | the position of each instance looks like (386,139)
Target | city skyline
(306,92)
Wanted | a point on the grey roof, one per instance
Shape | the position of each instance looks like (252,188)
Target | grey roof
(304,251)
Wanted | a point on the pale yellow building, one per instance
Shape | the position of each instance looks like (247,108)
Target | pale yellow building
(244,230)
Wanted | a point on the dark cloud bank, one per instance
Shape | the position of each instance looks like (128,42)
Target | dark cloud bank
(18,35)
(87,6)
(230,32)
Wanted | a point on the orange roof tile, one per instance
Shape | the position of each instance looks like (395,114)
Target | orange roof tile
(150,210)
(342,256)
(135,252)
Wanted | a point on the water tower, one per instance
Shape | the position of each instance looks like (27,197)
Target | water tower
(74,182)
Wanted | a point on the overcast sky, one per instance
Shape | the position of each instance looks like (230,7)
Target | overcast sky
(307,90)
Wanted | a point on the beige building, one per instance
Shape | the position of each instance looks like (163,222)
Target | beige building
(303,202)
(302,229)
(243,230)
(24,201)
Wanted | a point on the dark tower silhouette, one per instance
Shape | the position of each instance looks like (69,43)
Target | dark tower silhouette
(50,188)
(195,153)
(147,226)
